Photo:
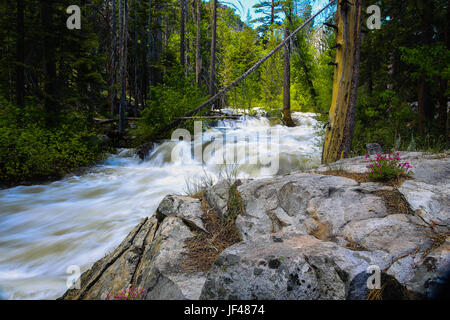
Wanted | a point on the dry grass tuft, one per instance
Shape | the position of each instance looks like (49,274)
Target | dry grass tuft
(204,249)
(358,177)
(394,201)
(376,294)
(352,245)
(363,177)
(321,231)
(438,240)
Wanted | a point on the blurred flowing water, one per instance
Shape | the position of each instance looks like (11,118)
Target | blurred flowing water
(46,228)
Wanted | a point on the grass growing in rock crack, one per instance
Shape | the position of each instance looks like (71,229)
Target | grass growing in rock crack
(438,239)
(354,246)
(235,203)
(204,248)
(394,201)
(196,185)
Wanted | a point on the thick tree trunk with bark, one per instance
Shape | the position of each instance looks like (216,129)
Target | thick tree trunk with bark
(338,138)
(212,72)
(287,82)
(425,104)
(198,57)
(157,47)
(20,76)
(123,65)
(149,43)
(112,49)
(49,55)
(443,106)
(182,33)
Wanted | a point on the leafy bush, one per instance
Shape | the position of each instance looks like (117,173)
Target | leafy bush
(177,96)
(32,151)
(388,167)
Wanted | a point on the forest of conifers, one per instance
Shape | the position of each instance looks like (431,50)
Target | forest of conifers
(147,62)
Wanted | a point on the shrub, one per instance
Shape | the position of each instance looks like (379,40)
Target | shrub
(388,167)
(31,151)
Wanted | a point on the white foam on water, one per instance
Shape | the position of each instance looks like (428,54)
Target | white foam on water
(46,228)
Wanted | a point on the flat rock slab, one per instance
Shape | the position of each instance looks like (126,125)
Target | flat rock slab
(285,267)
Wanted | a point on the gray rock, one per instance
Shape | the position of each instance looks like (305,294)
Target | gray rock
(374,148)
(430,202)
(150,258)
(305,236)
(114,272)
(281,204)
(300,267)
(163,275)
(307,204)
(422,274)
(396,234)
(431,169)
(426,167)
(218,196)
(186,208)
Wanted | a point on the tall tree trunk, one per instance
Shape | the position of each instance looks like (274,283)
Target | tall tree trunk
(425,104)
(198,57)
(287,82)
(443,105)
(443,96)
(272,13)
(123,65)
(212,73)
(49,55)
(112,94)
(136,64)
(157,48)
(149,44)
(339,135)
(20,76)
(182,33)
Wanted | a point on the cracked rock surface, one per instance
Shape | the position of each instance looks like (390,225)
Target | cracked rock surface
(305,236)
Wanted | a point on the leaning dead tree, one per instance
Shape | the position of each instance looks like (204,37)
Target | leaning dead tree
(339,134)
(219,95)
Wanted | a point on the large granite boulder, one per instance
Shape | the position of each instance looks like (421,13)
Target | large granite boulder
(304,236)
(150,258)
(286,267)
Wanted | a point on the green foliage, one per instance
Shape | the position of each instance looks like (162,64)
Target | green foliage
(389,119)
(433,61)
(235,205)
(388,167)
(241,51)
(409,49)
(31,151)
(174,98)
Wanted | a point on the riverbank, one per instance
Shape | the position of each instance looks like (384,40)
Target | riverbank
(304,235)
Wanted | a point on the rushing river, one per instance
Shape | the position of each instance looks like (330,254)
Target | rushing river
(46,228)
